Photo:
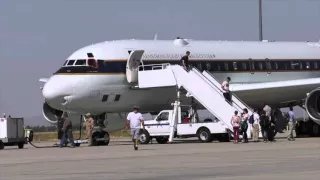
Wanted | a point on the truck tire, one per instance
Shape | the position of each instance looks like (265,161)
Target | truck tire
(21,145)
(144,137)
(1,145)
(204,135)
(162,140)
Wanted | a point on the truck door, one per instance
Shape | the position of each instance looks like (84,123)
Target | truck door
(132,66)
(163,126)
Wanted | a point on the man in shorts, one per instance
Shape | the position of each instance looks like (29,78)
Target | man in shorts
(135,120)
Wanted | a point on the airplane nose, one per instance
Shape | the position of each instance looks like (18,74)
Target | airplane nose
(49,92)
(56,89)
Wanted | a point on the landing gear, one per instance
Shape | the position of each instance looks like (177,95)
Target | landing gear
(309,128)
(100,137)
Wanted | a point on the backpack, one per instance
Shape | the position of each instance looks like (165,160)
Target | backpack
(251,119)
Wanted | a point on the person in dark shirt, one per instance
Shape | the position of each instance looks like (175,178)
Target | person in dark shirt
(67,131)
(185,60)
(272,129)
(59,126)
(265,125)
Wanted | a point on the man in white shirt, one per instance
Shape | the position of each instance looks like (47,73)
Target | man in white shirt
(255,126)
(225,89)
(135,120)
(291,124)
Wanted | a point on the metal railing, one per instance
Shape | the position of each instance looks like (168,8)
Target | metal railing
(151,67)
(249,108)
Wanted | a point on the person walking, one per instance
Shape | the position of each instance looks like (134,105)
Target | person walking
(255,126)
(235,121)
(291,124)
(67,131)
(244,125)
(225,89)
(264,124)
(135,120)
(185,61)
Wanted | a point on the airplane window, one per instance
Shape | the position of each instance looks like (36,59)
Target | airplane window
(92,63)
(235,67)
(285,65)
(226,66)
(275,65)
(244,66)
(70,63)
(251,64)
(308,65)
(315,65)
(208,65)
(65,63)
(219,67)
(80,62)
(105,98)
(268,64)
(260,65)
(117,98)
(293,65)
(300,65)
(199,66)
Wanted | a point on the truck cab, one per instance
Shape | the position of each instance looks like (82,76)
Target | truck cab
(187,126)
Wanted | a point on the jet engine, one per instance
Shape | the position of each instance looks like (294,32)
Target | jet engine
(312,104)
(49,113)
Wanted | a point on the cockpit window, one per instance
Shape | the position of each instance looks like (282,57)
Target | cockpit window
(92,63)
(70,63)
(80,62)
(65,63)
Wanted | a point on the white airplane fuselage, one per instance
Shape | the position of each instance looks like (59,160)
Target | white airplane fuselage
(84,88)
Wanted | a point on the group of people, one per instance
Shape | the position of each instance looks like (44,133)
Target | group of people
(65,129)
(263,120)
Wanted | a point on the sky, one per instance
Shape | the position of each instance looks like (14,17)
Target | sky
(36,36)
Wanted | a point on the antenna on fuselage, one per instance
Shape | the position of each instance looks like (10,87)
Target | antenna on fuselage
(156,36)
(260,21)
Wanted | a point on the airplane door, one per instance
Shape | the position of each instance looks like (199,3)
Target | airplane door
(132,66)
(268,66)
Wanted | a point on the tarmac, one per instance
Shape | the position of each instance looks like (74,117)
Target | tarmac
(187,160)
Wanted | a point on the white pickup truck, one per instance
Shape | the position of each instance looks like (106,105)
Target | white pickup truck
(206,131)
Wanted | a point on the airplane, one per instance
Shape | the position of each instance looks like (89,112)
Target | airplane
(98,78)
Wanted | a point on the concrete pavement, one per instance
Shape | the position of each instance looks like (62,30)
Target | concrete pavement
(295,160)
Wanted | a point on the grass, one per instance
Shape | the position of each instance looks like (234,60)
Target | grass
(52,136)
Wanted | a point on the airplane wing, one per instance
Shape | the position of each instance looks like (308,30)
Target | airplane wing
(43,80)
(283,92)
(292,84)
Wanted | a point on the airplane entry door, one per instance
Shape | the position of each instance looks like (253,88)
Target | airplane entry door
(132,66)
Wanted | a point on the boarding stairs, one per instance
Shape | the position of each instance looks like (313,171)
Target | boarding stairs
(202,86)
